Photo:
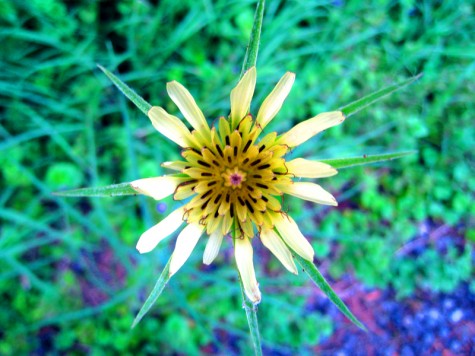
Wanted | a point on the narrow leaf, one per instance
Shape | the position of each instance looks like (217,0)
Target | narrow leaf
(107,191)
(320,281)
(360,104)
(127,91)
(152,298)
(250,59)
(339,163)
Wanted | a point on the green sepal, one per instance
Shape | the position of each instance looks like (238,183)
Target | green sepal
(157,290)
(106,191)
(127,91)
(250,58)
(360,104)
(321,282)
(339,163)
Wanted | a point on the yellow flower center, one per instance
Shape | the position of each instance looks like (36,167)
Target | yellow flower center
(235,178)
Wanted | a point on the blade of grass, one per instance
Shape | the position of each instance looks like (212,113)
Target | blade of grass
(339,163)
(360,104)
(127,91)
(157,290)
(321,282)
(250,58)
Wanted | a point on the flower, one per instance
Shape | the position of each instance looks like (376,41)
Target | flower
(235,181)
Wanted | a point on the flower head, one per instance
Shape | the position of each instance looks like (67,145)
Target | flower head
(233,180)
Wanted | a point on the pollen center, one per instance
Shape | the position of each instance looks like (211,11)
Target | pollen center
(234,178)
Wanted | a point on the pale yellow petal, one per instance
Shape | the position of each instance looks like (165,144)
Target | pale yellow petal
(275,244)
(309,191)
(309,128)
(157,187)
(150,238)
(170,126)
(185,243)
(188,107)
(290,233)
(272,104)
(241,96)
(175,165)
(305,168)
(212,247)
(243,253)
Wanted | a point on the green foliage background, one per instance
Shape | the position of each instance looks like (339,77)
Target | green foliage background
(70,278)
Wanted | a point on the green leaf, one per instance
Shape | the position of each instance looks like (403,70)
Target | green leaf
(250,59)
(339,163)
(107,191)
(320,281)
(157,290)
(127,91)
(360,104)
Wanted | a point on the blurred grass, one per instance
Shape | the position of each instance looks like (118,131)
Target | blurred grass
(71,278)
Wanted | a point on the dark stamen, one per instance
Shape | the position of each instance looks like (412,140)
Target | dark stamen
(219,150)
(250,188)
(206,194)
(227,198)
(211,183)
(261,148)
(265,199)
(232,210)
(241,201)
(246,160)
(217,198)
(257,161)
(216,214)
(206,174)
(247,145)
(264,166)
(227,141)
(229,159)
(262,185)
(235,151)
(204,163)
(258,176)
(188,182)
(205,204)
(249,206)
